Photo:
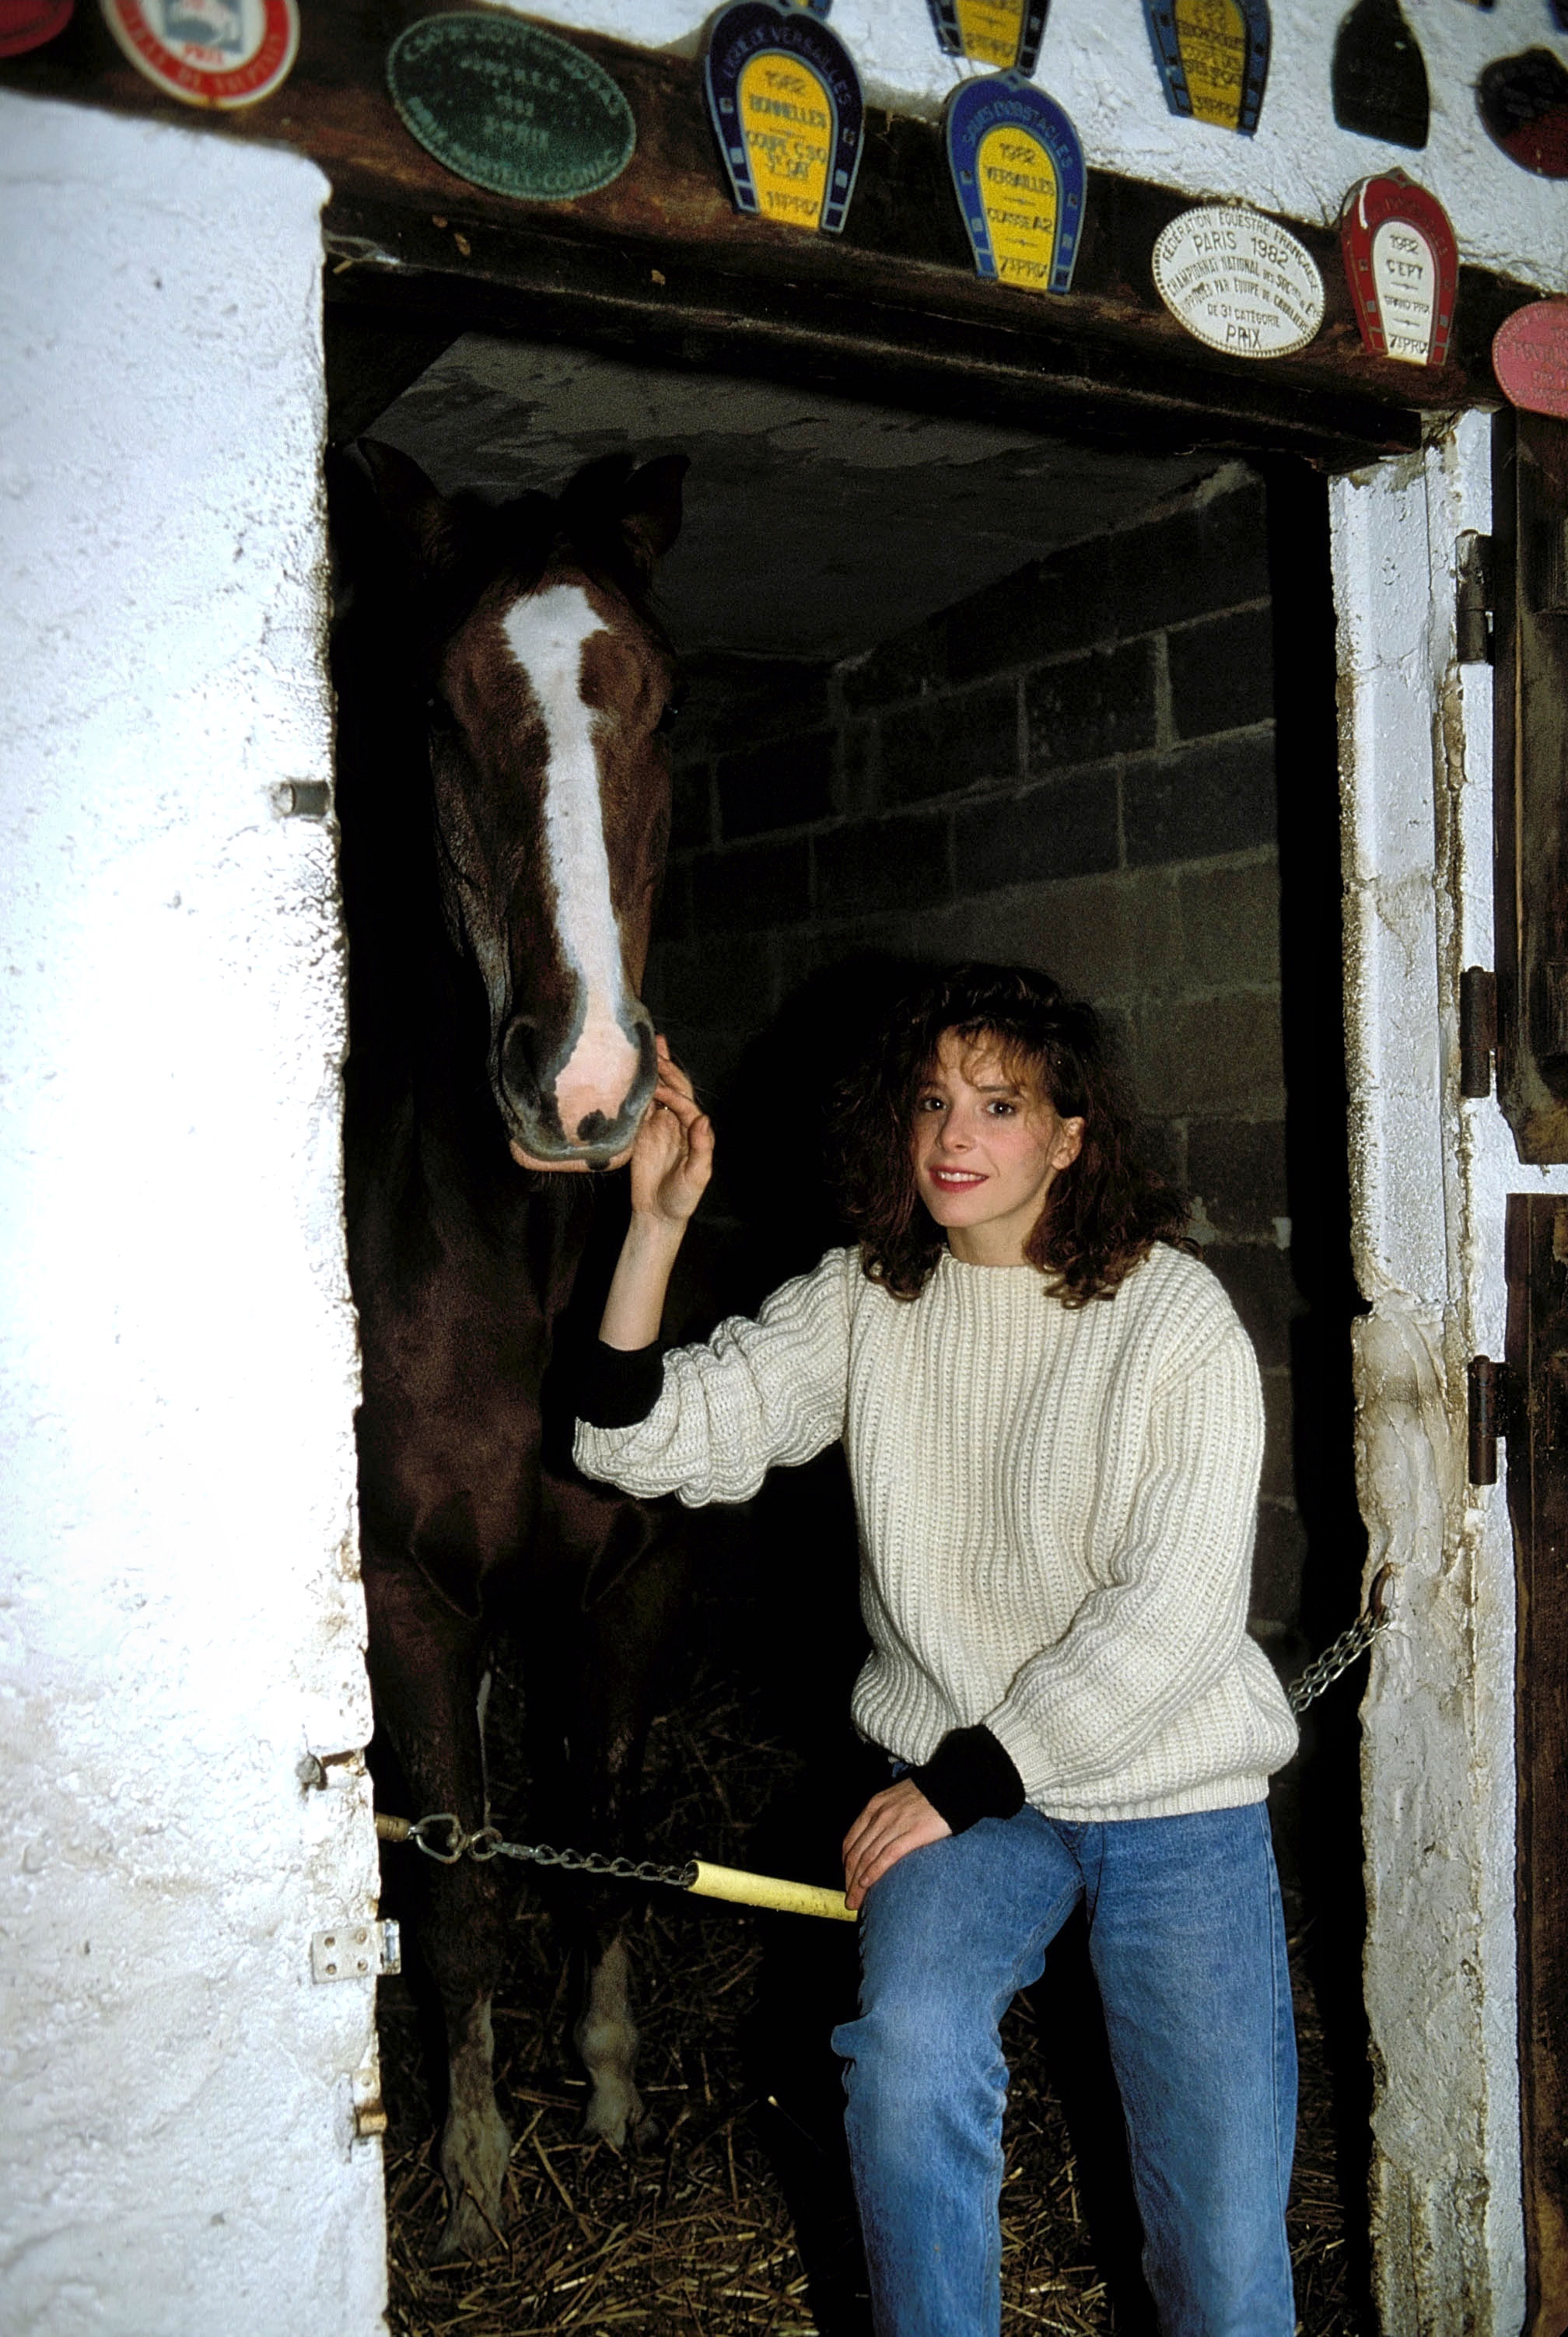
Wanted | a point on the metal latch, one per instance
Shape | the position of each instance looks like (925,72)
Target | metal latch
(1473,599)
(356,1951)
(302,798)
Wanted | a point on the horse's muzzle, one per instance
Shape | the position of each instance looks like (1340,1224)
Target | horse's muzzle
(577,1105)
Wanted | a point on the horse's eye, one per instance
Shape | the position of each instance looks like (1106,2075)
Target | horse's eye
(666,722)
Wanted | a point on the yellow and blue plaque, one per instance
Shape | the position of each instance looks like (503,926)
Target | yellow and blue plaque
(1002,33)
(1213,58)
(1019,172)
(786,102)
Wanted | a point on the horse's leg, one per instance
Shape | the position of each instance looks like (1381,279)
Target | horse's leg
(427,1670)
(629,1606)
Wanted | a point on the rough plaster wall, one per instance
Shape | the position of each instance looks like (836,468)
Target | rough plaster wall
(180,1616)
(1096,61)
(1431,1174)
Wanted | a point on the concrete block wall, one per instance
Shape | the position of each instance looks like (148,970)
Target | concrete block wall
(1074,769)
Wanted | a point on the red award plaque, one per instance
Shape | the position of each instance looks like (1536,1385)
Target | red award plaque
(27,24)
(222,53)
(1403,264)
(1524,103)
(1529,358)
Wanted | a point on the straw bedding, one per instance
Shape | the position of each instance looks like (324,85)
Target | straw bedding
(702,2229)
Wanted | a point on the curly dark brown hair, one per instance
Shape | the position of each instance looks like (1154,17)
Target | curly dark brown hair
(1104,1213)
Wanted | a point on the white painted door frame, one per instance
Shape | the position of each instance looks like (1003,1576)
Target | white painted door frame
(1430,1174)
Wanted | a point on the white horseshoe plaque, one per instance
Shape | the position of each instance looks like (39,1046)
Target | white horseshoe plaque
(1239,282)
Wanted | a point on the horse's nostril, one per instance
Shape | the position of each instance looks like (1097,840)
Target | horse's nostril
(520,1060)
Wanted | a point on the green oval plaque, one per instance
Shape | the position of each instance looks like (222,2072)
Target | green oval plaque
(510,109)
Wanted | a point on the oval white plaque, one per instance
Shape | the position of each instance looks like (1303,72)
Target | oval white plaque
(1239,282)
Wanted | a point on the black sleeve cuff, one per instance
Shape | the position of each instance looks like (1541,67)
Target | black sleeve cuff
(619,1385)
(971,1775)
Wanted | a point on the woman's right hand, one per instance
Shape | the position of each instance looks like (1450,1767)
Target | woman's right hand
(673,1158)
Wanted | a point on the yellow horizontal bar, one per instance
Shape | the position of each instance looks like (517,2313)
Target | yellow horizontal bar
(767,1891)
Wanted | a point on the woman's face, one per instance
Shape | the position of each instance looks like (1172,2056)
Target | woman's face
(986,1151)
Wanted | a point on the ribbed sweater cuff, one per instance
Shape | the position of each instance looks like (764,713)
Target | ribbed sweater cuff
(619,1385)
(970,1777)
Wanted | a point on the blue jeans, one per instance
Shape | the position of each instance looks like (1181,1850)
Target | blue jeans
(1188,1946)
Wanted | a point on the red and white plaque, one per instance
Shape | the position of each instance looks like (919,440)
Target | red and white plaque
(1403,264)
(222,52)
(1529,358)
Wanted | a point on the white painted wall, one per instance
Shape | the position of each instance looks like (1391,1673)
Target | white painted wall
(1432,1172)
(180,1615)
(1095,60)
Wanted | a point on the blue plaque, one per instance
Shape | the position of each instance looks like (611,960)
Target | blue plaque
(1002,33)
(787,109)
(1018,169)
(1213,58)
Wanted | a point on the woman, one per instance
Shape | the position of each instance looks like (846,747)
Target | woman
(1053,1427)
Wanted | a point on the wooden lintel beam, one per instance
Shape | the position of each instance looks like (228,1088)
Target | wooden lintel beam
(859,345)
(662,264)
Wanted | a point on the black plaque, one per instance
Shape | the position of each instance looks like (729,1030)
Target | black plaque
(1380,81)
(1524,103)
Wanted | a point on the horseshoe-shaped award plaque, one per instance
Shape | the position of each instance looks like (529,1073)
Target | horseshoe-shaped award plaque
(785,98)
(1000,33)
(1403,266)
(1213,58)
(1019,172)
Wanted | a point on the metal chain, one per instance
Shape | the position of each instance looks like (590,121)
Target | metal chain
(442,1836)
(1339,1658)
(425,1834)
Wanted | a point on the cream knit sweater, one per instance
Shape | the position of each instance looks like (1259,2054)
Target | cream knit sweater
(1056,1512)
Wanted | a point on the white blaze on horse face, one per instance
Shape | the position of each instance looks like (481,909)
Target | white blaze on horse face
(546,633)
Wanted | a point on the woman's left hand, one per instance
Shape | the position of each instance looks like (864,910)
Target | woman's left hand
(888,1828)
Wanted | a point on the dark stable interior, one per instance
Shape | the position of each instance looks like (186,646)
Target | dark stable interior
(955,690)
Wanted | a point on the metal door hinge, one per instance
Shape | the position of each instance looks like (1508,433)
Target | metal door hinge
(1491,1404)
(1473,599)
(1477,1030)
(356,1951)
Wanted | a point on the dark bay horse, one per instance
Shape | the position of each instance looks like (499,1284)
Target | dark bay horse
(503,794)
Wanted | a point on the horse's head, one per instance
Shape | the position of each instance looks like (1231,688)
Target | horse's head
(548,684)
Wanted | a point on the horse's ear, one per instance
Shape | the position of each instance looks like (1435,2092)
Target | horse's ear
(423,517)
(650,510)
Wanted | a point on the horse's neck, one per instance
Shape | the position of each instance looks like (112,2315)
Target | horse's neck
(428,1167)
